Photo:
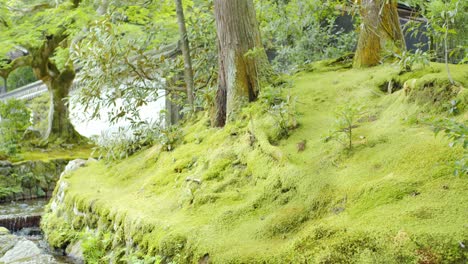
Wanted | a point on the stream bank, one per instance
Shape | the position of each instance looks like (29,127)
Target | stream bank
(29,179)
(21,239)
(25,188)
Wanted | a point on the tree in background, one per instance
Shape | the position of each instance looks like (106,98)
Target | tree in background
(298,32)
(59,83)
(380,28)
(47,44)
(185,46)
(243,63)
(20,77)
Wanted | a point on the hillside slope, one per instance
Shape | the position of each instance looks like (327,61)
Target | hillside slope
(391,199)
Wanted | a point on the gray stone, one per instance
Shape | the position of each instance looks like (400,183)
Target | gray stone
(23,251)
(6,171)
(7,242)
(40,259)
(5,163)
(74,165)
(75,252)
(91,160)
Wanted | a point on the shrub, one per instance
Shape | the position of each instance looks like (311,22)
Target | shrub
(15,119)
(120,144)
(457,133)
(346,119)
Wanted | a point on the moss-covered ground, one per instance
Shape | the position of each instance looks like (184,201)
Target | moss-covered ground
(242,194)
(54,153)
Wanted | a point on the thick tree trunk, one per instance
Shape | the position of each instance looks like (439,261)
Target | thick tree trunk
(186,53)
(60,126)
(58,83)
(240,74)
(380,25)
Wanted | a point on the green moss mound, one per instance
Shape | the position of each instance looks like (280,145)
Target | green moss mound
(232,196)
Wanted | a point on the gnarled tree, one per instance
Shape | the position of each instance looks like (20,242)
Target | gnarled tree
(59,83)
(380,27)
(243,64)
(42,45)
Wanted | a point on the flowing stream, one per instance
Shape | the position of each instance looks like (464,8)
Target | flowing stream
(22,219)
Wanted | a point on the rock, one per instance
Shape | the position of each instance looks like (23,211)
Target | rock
(31,134)
(75,252)
(5,171)
(59,197)
(74,165)
(4,231)
(92,160)
(23,251)
(41,259)
(5,163)
(7,242)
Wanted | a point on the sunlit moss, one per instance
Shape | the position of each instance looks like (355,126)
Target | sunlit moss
(232,195)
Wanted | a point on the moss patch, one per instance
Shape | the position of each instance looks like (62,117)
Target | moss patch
(392,199)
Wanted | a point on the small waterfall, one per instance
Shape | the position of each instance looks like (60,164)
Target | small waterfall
(15,223)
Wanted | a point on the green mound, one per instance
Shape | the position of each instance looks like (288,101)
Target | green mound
(255,193)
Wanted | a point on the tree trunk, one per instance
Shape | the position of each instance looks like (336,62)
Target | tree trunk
(240,73)
(58,83)
(186,53)
(4,88)
(60,126)
(173,109)
(380,25)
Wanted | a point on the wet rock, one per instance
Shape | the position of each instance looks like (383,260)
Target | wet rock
(7,242)
(5,167)
(4,231)
(41,259)
(74,165)
(75,252)
(5,163)
(23,251)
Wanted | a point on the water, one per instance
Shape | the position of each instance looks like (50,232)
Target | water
(22,208)
(22,218)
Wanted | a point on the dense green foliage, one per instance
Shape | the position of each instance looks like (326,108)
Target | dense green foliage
(458,135)
(15,119)
(446,25)
(20,77)
(302,31)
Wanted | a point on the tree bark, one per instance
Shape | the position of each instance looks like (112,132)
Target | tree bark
(380,25)
(58,84)
(60,125)
(240,73)
(185,46)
